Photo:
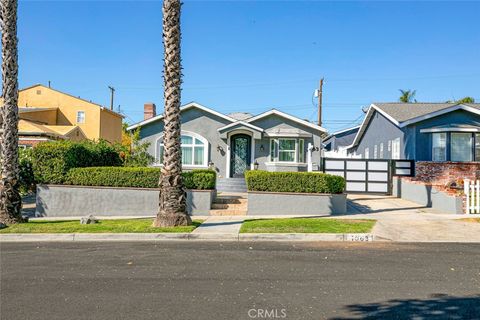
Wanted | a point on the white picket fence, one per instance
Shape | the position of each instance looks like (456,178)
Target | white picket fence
(472,194)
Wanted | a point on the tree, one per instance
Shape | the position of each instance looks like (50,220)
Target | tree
(408,96)
(134,152)
(10,199)
(172,205)
(463,100)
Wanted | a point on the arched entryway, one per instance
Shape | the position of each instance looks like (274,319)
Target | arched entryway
(240,154)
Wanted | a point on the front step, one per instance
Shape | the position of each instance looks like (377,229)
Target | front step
(231,185)
(229,205)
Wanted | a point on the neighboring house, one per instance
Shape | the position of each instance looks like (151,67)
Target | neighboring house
(338,143)
(420,131)
(47,114)
(272,140)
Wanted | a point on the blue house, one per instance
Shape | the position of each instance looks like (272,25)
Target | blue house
(336,145)
(420,132)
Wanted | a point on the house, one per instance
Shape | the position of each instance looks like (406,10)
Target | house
(47,114)
(338,143)
(420,131)
(273,140)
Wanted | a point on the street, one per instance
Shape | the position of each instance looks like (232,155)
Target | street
(202,280)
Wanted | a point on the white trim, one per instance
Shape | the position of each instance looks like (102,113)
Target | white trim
(249,125)
(187,166)
(183,108)
(288,135)
(287,164)
(84,117)
(33,139)
(435,130)
(287,116)
(342,131)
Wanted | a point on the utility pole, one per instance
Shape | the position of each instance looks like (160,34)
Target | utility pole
(320,92)
(112,92)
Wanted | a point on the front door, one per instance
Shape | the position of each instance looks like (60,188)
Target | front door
(240,152)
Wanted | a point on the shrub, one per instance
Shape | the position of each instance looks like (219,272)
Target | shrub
(52,160)
(27,179)
(136,177)
(301,182)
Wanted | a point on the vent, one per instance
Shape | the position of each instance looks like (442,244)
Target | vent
(39,92)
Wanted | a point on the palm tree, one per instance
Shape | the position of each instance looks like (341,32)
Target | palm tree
(408,96)
(10,199)
(172,207)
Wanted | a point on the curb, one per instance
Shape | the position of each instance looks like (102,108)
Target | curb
(105,237)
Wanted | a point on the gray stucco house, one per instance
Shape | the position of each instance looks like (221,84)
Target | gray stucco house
(420,132)
(231,144)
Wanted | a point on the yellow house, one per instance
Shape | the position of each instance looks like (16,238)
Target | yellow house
(49,114)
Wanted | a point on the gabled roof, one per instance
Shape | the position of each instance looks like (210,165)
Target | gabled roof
(183,108)
(356,128)
(404,114)
(287,116)
(70,95)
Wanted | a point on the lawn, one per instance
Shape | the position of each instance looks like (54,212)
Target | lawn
(307,225)
(103,226)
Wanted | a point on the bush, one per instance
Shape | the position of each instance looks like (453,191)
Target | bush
(136,177)
(52,160)
(301,182)
(27,179)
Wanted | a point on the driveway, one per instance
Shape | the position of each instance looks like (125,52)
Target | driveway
(401,220)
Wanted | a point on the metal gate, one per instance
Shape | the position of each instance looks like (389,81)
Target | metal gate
(368,175)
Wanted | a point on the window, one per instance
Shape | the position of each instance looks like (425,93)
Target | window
(439,146)
(287,150)
(477,147)
(396,149)
(194,153)
(375,150)
(461,146)
(381,151)
(301,150)
(80,116)
(367,153)
(389,145)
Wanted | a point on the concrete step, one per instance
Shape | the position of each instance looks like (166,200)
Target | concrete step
(220,212)
(231,188)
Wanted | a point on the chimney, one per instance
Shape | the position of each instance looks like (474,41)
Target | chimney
(149,110)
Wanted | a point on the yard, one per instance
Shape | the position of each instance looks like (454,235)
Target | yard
(103,226)
(307,225)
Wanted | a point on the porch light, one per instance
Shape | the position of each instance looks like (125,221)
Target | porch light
(255,165)
(261,147)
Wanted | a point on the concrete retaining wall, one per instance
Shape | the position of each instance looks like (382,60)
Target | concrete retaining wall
(273,203)
(73,201)
(427,195)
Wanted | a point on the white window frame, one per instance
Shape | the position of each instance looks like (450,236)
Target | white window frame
(83,118)
(445,146)
(274,154)
(159,162)
(396,146)
(367,153)
(381,154)
(375,152)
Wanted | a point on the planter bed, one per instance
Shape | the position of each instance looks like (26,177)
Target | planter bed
(281,203)
(79,201)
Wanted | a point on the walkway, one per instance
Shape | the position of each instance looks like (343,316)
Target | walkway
(401,220)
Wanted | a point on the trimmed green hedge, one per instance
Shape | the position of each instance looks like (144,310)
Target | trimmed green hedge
(136,177)
(51,161)
(298,182)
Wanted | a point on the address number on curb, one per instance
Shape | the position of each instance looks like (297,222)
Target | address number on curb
(359,237)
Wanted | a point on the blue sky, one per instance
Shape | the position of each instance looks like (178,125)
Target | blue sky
(252,56)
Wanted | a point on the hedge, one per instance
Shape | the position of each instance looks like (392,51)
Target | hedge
(136,177)
(51,161)
(298,182)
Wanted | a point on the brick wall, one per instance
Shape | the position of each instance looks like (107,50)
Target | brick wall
(441,173)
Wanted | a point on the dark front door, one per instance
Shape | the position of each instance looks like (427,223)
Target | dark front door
(240,152)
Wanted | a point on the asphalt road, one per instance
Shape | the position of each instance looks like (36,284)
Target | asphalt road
(193,280)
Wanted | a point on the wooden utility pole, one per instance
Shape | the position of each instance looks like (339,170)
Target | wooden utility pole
(112,92)
(320,92)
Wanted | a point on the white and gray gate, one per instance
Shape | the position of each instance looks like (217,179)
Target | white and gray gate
(368,175)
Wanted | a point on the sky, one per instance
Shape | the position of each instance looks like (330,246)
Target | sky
(252,56)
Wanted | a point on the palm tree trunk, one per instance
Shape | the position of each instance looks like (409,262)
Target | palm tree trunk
(10,199)
(172,206)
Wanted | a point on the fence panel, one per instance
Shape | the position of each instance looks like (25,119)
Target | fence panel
(472,195)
